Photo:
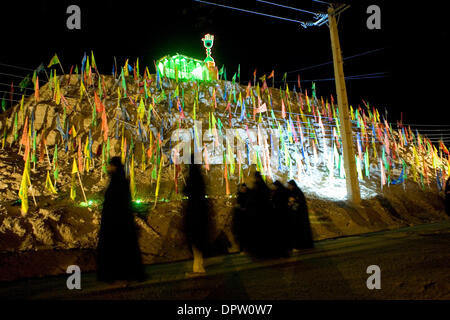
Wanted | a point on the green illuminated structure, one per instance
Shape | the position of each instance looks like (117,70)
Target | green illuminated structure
(187,68)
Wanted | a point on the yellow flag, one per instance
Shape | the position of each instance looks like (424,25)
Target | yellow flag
(82,89)
(125,71)
(58,93)
(23,191)
(49,185)
(141,109)
(121,149)
(132,182)
(24,195)
(73,192)
(158,181)
(86,153)
(21,103)
(74,167)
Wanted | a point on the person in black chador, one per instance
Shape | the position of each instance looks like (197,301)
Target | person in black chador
(302,235)
(196,216)
(281,220)
(118,253)
(240,217)
(259,212)
(447,197)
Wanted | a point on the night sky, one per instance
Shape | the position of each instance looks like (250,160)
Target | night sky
(412,36)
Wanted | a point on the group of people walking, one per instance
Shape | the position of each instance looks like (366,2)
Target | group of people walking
(267,222)
(271,221)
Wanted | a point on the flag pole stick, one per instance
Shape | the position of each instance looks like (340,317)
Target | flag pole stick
(32,193)
(81,184)
(61,67)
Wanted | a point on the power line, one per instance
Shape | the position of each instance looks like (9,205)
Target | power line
(9,85)
(14,93)
(287,7)
(17,67)
(249,11)
(321,2)
(361,76)
(12,75)
(330,62)
(423,125)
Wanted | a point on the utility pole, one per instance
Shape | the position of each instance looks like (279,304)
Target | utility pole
(351,177)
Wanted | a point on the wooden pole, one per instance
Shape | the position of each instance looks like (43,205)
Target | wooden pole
(353,191)
(81,184)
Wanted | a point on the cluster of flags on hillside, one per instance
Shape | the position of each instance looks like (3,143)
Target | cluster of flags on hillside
(308,129)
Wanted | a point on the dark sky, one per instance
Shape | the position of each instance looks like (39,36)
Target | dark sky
(413,37)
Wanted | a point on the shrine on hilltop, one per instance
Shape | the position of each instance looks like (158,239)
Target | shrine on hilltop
(183,67)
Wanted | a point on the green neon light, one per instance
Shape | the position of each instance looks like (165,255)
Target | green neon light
(187,68)
(208,42)
(90,203)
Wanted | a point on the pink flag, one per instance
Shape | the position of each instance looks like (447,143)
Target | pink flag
(261,108)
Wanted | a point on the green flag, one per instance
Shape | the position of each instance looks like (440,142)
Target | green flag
(54,61)
(34,77)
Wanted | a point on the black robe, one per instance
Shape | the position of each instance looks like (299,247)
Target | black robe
(118,253)
(196,210)
(301,227)
(259,212)
(240,219)
(281,221)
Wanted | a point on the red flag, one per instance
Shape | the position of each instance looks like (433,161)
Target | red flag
(298,81)
(27,148)
(104,125)
(214,99)
(36,89)
(25,133)
(80,161)
(42,149)
(98,103)
(443,147)
(247,91)
(271,74)
(70,75)
(283,109)
(264,87)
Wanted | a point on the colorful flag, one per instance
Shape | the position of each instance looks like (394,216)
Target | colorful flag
(23,191)
(49,185)
(54,61)
(36,89)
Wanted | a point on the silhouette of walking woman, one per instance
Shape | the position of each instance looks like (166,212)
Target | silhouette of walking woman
(118,253)
(196,216)
(302,234)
